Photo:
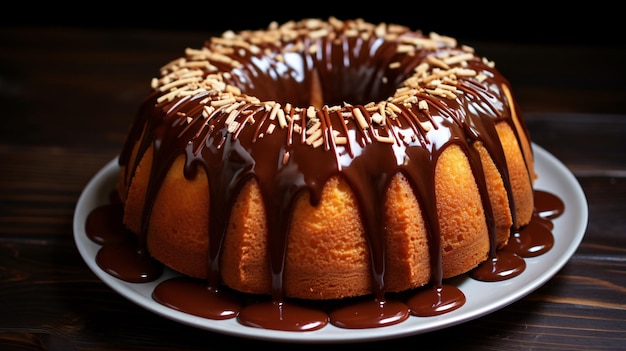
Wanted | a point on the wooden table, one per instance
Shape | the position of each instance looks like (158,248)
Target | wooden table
(68,96)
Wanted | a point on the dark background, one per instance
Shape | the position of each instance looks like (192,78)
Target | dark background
(589,23)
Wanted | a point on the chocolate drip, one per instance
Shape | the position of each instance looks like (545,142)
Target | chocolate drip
(192,296)
(232,142)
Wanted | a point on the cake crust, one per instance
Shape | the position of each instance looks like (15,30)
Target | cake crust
(230,181)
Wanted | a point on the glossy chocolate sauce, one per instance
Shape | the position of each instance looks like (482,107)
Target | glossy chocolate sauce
(196,297)
(304,80)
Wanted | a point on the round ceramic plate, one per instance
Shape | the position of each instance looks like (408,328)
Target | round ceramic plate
(482,297)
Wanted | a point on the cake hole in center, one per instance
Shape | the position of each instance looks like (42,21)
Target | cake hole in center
(302,81)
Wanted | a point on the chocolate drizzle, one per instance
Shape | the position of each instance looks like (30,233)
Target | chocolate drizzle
(291,109)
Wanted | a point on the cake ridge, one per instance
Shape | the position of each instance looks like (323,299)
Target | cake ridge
(205,111)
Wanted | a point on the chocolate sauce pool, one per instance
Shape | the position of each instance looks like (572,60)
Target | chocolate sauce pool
(121,257)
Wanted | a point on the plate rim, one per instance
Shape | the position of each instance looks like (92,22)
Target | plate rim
(97,190)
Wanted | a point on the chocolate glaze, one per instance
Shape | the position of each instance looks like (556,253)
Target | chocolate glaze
(105,223)
(433,302)
(233,144)
(282,315)
(547,205)
(372,313)
(196,297)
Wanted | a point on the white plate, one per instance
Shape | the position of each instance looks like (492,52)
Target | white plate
(482,297)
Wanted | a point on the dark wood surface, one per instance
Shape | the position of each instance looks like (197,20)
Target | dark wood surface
(68,95)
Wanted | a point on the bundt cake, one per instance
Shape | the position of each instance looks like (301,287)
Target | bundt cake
(327,159)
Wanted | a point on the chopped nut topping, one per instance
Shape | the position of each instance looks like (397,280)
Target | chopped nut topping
(209,73)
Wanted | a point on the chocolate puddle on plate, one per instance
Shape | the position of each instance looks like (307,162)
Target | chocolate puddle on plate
(123,257)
